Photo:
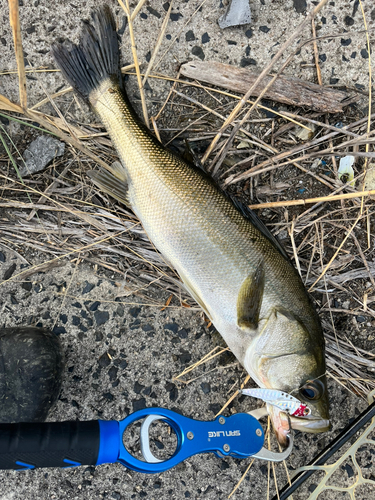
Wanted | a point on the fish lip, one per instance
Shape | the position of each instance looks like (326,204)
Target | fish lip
(310,424)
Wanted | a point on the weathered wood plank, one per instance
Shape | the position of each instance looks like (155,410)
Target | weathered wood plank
(287,90)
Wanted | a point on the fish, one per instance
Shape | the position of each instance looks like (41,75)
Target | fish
(226,258)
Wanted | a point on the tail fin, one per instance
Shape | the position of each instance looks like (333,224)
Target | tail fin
(95,58)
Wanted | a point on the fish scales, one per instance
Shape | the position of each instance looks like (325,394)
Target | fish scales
(228,261)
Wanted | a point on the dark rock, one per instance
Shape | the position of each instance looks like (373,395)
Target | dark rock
(189,36)
(9,272)
(224,465)
(148,56)
(353,55)
(206,387)
(27,285)
(245,61)
(173,327)
(173,391)
(40,153)
(153,12)
(346,41)
(205,38)
(264,29)
(120,311)
(2,256)
(300,6)
(147,328)
(30,30)
(168,37)
(185,357)
(30,373)
(83,328)
(312,487)
(359,86)
(38,288)
(349,470)
(231,42)
(138,387)
(134,311)
(87,288)
(361,319)
(58,330)
(364,53)
(215,408)
(99,336)
(322,57)
(143,15)
(78,305)
(139,404)
(13,300)
(197,51)
(104,360)
(349,21)
(94,306)
(182,334)
(101,317)
(108,396)
(76,320)
(249,33)
(175,16)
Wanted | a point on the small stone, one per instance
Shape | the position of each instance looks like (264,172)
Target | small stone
(2,257)
(139,404)
(147,328)
(189,36)
(58,330)
(264,29)
(185,357)
(30,30)
(224,465)
(361,319)
(173,327)
(94,306)
(206,387)
(104,360)
(153,12)
(138,387)
(198,51)
(76,320)
(249,33)
(27,285)
(112,373)
(349,21)
(175,16)
(108,396)
(77,304)
(231,42)
(349,470)
(40,153)
(215,408)
(9,272)
(143,15)
(205,38)
(87,288)
(173,391)
(353,55)
(101,317)
(120,311)
(245,61)
(333,81)
(300,6)
(13,300)
(346,41)
(182,334)
(364,53)
(148,56)
(134,311)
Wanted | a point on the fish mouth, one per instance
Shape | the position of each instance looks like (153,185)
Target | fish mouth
(283,423)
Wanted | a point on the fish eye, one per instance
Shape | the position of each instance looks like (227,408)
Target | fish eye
(312,390)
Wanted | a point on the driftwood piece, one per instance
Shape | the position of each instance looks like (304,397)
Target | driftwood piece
(287,90)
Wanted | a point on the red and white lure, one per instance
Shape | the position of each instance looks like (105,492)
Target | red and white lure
(281,400)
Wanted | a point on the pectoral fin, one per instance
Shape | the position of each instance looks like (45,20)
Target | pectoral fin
(113,183)
(249,301)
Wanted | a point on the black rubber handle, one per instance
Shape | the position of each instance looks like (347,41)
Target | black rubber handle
(49,444)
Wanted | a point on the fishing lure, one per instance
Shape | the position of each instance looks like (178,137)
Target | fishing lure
(281,400)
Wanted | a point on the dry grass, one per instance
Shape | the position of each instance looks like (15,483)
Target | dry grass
(331,240)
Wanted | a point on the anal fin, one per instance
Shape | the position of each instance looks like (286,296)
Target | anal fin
(113,183)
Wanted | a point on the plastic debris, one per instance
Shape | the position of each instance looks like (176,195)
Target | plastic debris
(40,153)
(346,169)
(238,13)
(281,400)
(304,134)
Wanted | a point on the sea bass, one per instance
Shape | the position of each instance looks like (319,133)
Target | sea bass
(227,259)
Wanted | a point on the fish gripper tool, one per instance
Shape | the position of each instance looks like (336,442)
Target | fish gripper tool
(72,443)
